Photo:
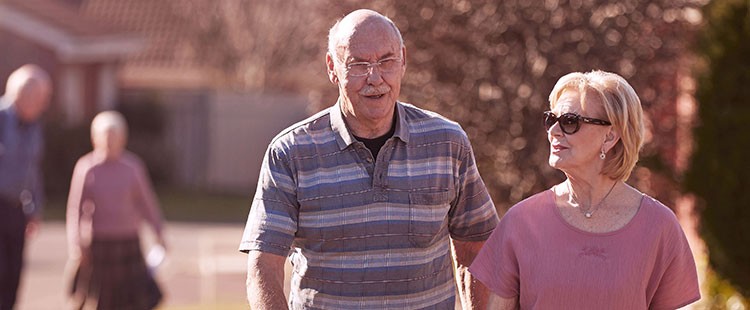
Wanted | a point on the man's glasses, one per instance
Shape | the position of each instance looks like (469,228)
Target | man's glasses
(570,122)
(387,65)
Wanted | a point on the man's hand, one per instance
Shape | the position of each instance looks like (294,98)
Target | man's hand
(32,227)
(473,294)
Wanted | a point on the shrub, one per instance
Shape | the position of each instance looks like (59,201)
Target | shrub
(146,125)
(719,173)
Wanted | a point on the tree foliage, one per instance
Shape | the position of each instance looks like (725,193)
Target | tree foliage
(492,64)
(262,45)
(719,173)
(489,65)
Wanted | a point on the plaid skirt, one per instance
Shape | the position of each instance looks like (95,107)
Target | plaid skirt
(115,277)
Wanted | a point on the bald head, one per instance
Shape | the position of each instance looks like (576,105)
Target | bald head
(357,22)
(29,89)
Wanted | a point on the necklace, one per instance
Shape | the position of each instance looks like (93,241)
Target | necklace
(590,212)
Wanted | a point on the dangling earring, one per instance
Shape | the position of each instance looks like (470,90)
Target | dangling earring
(602,155)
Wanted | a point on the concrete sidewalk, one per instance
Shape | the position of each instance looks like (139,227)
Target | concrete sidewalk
(203,269)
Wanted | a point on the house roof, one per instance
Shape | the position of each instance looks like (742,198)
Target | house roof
(58,26)
(169,57)
(165,31)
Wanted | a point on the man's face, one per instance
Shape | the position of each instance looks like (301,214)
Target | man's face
(31,101)
(370,99)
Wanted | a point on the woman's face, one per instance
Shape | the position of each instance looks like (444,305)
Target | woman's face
(109,140)
(577,152)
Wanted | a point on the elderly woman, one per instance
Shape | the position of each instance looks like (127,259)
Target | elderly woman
(592,241)
(110,194)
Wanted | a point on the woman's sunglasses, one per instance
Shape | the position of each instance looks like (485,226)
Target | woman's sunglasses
(570,122)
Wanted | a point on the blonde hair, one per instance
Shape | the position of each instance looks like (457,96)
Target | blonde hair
(623,109)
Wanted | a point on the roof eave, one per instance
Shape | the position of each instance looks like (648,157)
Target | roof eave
(99,49)
(69,48)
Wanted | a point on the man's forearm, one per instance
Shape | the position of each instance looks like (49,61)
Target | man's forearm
(265,281)
(473,294)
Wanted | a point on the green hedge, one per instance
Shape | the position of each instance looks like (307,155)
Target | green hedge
(64,144)
(720,172)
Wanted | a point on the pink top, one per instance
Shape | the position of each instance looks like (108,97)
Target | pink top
(536,255)
(108,199)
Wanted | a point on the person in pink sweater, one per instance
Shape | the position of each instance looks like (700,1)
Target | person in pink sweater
(592,241)
(110,195)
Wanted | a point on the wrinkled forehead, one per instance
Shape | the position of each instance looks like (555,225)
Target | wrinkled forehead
(29,87)
(373,36)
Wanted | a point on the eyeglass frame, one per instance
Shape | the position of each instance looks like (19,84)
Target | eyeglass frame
(370,66)
(578,119)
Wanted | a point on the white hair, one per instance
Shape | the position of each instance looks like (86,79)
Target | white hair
(335,36)
(109,120)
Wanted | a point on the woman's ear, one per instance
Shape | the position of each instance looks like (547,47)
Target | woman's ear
(610,139)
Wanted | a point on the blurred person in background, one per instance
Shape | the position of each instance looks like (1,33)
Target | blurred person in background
(110,194)
(368,196)
(26,97)
(592,241)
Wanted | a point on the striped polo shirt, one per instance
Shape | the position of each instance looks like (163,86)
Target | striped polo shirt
(366,233)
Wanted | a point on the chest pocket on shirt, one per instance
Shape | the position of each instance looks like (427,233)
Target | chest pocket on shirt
(428,216)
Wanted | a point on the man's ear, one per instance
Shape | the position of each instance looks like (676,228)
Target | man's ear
(330,68)
(403,57)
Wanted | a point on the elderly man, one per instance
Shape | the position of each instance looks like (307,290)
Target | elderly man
(368,197)
(26,97)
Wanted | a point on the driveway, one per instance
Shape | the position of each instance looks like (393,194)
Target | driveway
(203,269)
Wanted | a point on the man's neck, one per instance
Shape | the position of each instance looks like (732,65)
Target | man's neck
(369,129)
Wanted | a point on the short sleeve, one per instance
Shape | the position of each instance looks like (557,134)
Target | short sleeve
(273,217)
(496,265)
(678,286)
(473,215)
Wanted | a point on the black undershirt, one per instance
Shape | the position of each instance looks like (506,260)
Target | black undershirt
(375,144)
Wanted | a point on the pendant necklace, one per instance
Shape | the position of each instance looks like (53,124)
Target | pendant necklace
(590,212)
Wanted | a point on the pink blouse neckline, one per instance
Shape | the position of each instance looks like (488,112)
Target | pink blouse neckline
(552,204)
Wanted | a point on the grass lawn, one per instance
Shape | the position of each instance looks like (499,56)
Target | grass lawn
(181,205)
(198,206)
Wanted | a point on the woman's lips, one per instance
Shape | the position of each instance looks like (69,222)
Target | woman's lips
(557,148)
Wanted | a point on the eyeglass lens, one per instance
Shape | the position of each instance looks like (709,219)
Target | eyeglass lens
(363,68)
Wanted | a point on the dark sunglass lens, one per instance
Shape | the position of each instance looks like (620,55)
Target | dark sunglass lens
(569,123)
(549,120)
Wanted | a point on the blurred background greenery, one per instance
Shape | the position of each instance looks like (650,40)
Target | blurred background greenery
(179,204)
(719,173)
